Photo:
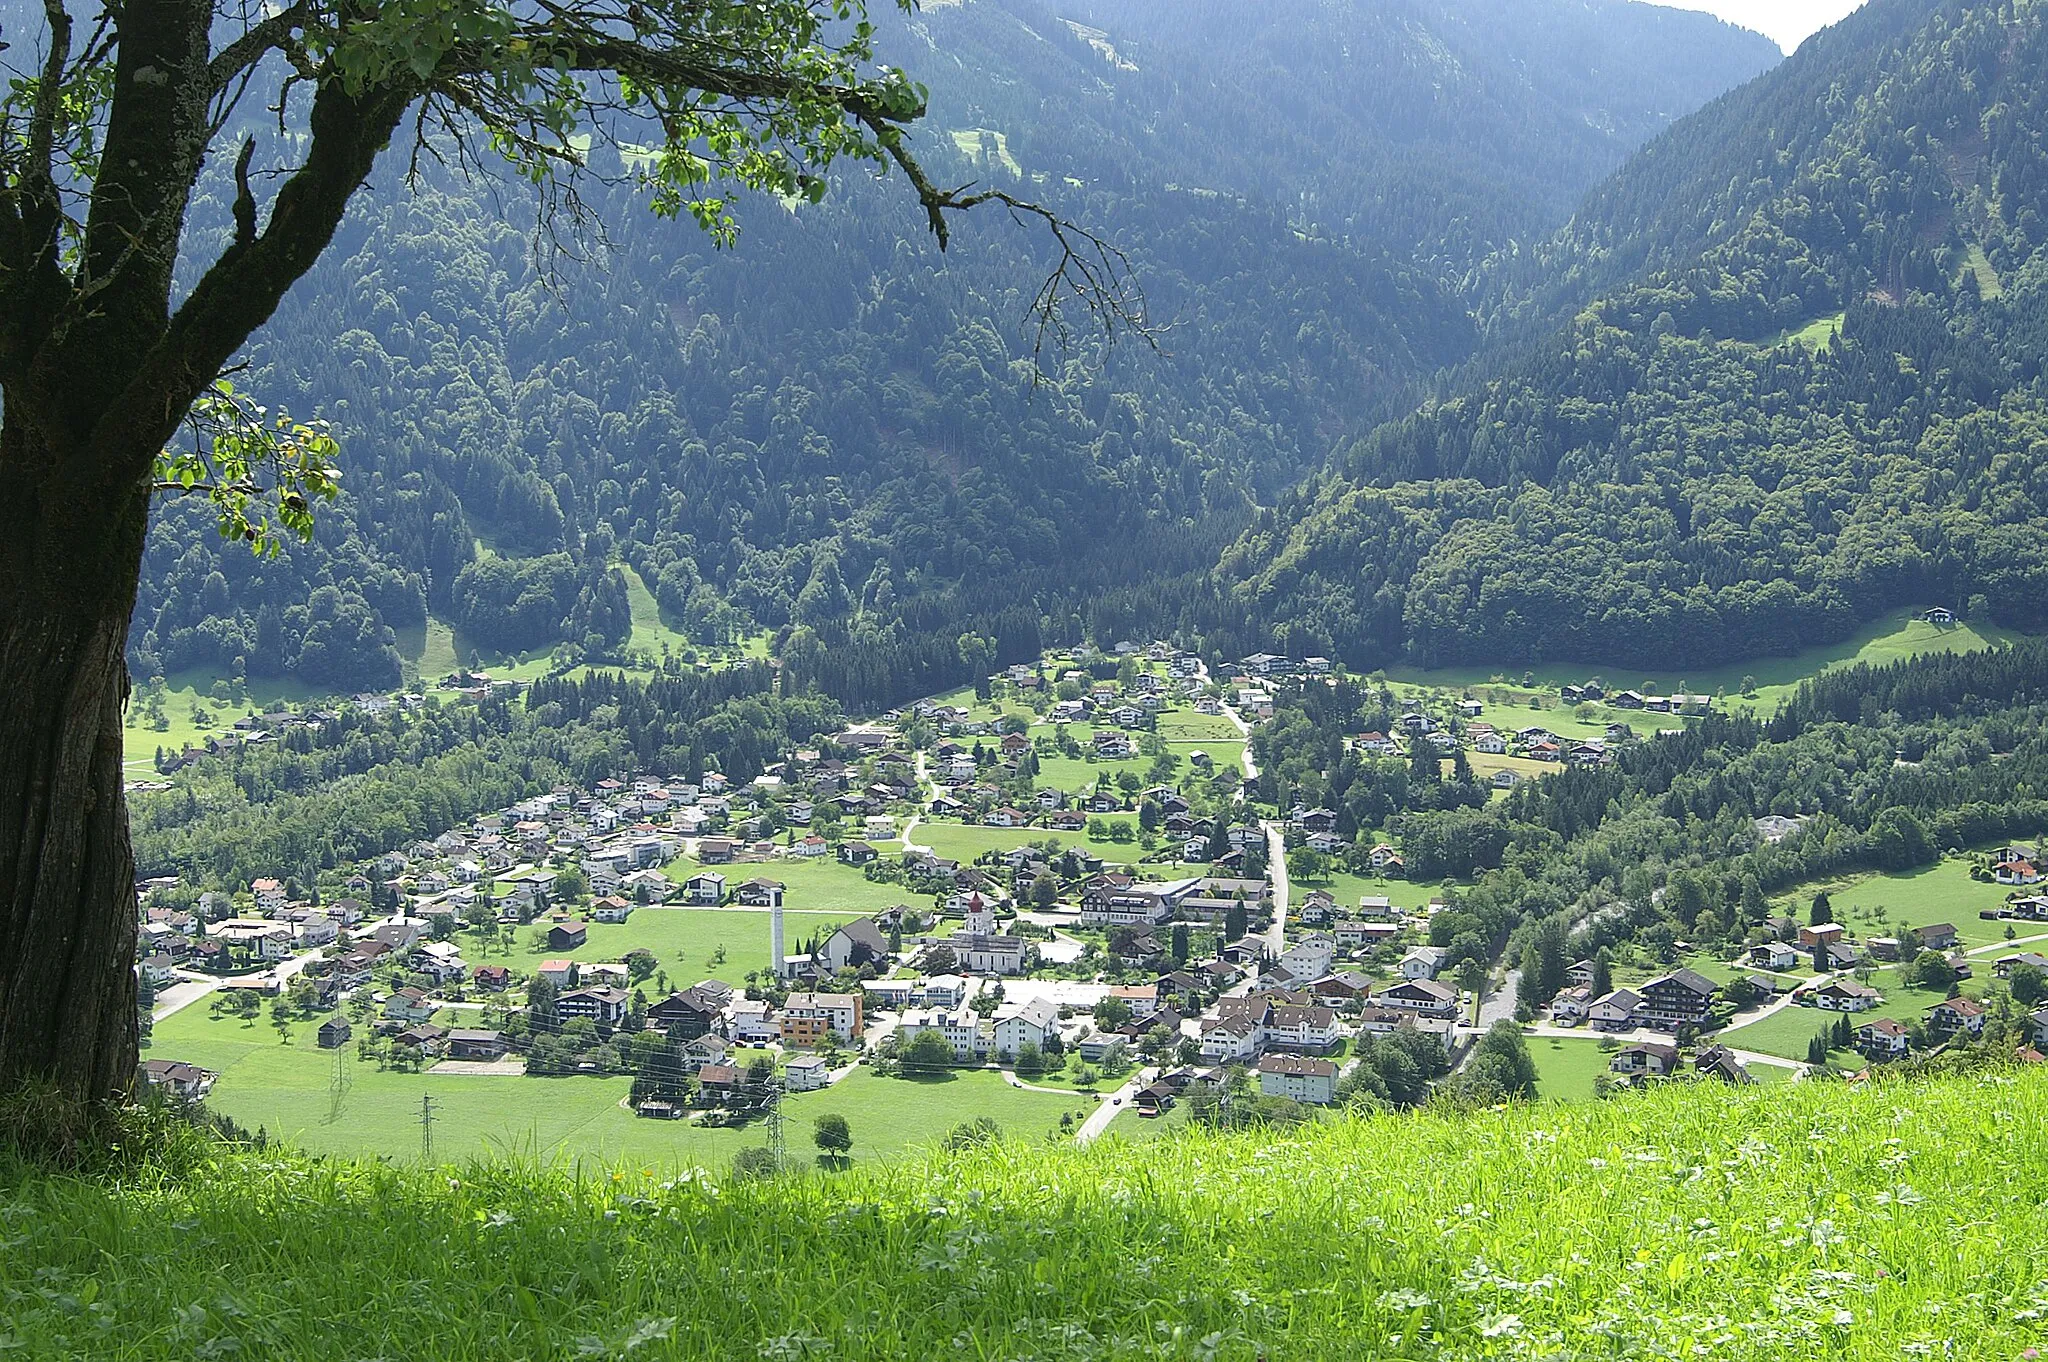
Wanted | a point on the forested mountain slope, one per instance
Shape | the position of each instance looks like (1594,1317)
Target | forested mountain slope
(834,431)
(1822,398)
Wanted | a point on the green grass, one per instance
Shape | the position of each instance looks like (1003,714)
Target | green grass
(1896,636)
(1788,1032)
(963,842)
(1816,1220)
(1975,262)
(816,884)
(1079,773)
(1565,1069)
(683,940)
(1348,889)
(286,1091)
(1813,335)
(1943,892)
(139,740)
(650,634)
(1187,725)
(985,141)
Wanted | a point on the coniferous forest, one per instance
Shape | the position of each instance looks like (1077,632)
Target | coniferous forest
(831,432)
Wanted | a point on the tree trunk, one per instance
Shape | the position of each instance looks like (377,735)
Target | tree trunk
(69,563)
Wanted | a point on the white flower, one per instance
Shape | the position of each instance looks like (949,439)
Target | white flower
(1508,1325)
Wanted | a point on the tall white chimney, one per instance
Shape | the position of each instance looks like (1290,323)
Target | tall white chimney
(775,955)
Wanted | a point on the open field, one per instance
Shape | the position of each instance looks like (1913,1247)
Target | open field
(1814,334)
(1346,1239)
(1565,1069)
(1484,764)
(1942,892)
(1788,1032)
(1186,725)
(683,940)
(1347,889)
(140,740)
(1081,773)
(814,884)
(1898,635)
(287,1090)
(965,842)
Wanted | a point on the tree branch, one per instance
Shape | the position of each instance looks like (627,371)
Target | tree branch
(1090,270)
(245,201)
(258,41)
(243,287)
(42,119)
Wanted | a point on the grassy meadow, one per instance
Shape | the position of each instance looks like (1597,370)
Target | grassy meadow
(813,884)
(288,1092)
(684,940)
(1809,1220)
(1895,636)
(1880,904)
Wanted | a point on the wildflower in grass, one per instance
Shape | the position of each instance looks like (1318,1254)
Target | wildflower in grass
(1502,1326)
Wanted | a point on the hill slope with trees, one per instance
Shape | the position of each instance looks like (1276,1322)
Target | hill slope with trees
(833,432)
(1820,398)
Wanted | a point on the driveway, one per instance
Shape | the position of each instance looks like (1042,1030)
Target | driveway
(1099,1119)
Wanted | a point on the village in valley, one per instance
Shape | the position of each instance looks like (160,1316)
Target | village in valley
(1057,902)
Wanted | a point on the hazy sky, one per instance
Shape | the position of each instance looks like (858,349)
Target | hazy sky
(1787,21)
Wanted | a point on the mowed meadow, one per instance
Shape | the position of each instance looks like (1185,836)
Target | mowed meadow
(1811,1220)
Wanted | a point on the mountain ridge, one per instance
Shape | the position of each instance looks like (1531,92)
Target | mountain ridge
(832,433)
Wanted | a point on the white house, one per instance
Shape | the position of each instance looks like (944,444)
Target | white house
(1571,1005)
(1424,996)
(1845,995)
(944,992)
(1313,1081)
(806,1073)
(1230,1040)
(1309,1029)
(959,1028)
(1777,956)
(1028,1023)
(853,945)
(1424,962)
(750,1022)
(1311,957)
(1615,1011)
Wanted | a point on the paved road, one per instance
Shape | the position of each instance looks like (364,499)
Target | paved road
(191,987)
(1499,1005)
(1276,870)
(2001,947)
(181,995)
(1774,1007)
(1022,1086)
(1099,1119)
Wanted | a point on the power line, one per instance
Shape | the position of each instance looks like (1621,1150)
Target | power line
(426,1128)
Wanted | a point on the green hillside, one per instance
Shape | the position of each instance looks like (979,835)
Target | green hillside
(1800,406)
(1809,1220)
(831,426)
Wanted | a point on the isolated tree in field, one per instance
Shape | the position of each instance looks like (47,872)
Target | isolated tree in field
(833,1136)
(113,391)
